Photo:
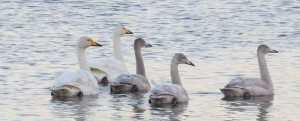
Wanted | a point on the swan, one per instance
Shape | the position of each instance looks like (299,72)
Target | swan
(245,87)
(175,93)
(81,82)
(134,82)
(108,69)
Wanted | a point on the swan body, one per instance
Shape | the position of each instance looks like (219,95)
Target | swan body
(168,94)
(81,82)
(107,70)
(245,87)
(78,83)
(174,93)
(130,83)
(134,82)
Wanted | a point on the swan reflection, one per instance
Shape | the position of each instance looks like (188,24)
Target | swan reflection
(172,112)
(79,108)
(234,105)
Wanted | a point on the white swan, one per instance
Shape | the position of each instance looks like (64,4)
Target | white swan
(175,93)
(246,87)
(134,82)
(79,83)
(107,70)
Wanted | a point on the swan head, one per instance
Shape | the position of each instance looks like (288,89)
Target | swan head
(180,58)
(265,49)
(85,42)
(121,30)
(139,43)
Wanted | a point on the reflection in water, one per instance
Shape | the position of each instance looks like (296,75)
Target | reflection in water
(78,107)
(135,101)
(37,40)
(172,111)
(241,104)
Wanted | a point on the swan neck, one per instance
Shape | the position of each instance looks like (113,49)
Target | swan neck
(82,60)
(174,73)
(263,67)
(117,49)
(140,68)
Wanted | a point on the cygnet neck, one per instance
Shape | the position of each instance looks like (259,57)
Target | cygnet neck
(264,71)
(174,73)
(140,68)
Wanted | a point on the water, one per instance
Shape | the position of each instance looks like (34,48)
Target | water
(38,40)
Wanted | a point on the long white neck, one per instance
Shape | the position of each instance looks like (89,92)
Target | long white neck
(82,60)
(117,49)
(264,72)
(140,68)
(174,73)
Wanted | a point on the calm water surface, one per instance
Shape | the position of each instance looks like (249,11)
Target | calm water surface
(38,40)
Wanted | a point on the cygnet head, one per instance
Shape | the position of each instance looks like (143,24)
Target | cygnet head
(266,49)
(139,43)
(180,58)
(85,42)
(121,30)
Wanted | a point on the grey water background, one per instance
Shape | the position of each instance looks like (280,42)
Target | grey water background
(38,40)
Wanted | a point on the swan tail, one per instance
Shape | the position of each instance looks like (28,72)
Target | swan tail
(153,82)
(157,82)
(65,92)
(99,74)
(162,99)
(234,92)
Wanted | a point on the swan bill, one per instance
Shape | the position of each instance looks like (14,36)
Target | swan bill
(127,31)
(93,43)
(190,63)
(274,51)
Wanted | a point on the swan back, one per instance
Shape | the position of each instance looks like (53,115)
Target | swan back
(71,84)
(130,83)
(168,94)
(241,87)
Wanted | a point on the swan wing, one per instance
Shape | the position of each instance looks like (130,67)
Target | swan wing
(138,80)
(239,86)
(171,90)
(111,68)
(81,80)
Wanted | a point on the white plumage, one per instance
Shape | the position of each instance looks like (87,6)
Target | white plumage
(81,82)
(111,68)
